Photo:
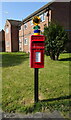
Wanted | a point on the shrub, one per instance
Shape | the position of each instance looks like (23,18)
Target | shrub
(55,40)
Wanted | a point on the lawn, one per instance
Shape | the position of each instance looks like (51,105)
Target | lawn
(18,84)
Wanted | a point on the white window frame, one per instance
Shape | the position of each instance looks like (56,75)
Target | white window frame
(7,43)
(20,49)
(42,17)
(20,40)
(25,39)
(31,22)
(25,25)
(7,30)
(22,27)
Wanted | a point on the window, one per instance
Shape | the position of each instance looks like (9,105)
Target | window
(42,17)
(7,30)
(7,43)
(47,14)
(25,25)
(22,27)
(25,41)
(31,22)
(20,49)
(19,40)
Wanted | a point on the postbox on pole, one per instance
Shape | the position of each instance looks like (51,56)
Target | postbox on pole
(36,54)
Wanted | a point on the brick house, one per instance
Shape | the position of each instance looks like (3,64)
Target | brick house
(53,11)
(27,28)
(2,41)
(12,35)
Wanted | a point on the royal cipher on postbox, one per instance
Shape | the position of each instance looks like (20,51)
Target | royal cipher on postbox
(37,51)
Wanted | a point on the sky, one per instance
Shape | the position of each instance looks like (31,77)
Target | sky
(19,10)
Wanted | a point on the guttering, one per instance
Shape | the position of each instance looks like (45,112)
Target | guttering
(38,12)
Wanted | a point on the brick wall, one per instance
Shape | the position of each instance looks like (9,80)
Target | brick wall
(11,37)
(21,41)
(61,13)
(27,32)
(2,41)
(14,39)
(8,36)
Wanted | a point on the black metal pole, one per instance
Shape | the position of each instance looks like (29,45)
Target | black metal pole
(36,85)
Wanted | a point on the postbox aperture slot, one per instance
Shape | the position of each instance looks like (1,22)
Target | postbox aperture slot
(38,41)
(38,44)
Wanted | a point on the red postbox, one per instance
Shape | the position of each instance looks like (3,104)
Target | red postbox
(37,51)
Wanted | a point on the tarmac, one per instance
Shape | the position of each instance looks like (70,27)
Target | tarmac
(36,116)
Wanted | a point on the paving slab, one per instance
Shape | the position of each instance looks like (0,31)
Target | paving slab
(0,114)
(38,115)
(54,114)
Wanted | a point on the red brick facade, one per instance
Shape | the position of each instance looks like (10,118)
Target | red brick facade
(55,11)
(19,40)
(25,33)
(2,41)
(12,36)
(61,13)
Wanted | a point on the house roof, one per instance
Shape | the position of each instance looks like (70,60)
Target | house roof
(14,22)
(38,12)
(1,30)
(1,35)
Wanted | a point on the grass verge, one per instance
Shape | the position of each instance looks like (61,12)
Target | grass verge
(18,84)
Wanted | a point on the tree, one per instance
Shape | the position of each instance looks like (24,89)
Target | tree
(55,39)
